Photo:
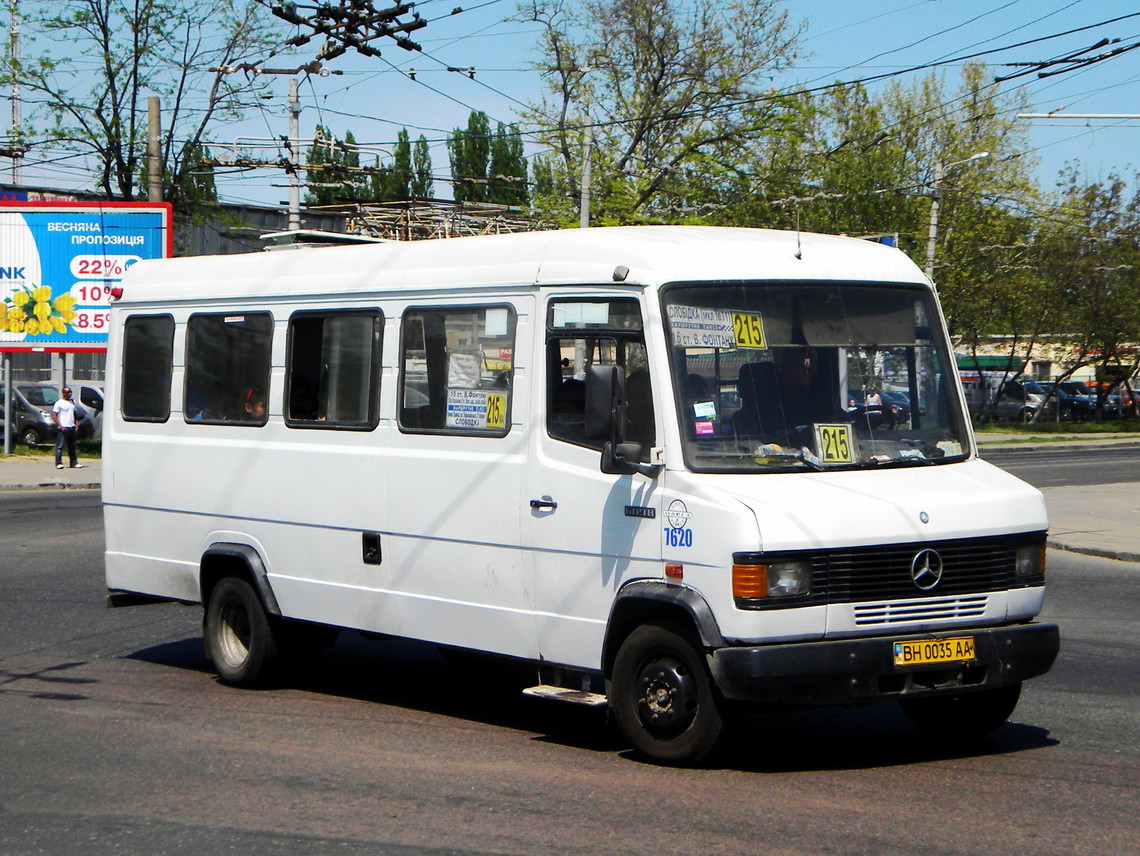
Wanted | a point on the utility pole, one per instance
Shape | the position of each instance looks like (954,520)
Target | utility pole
(295,157)
(153,154)
(935,194)
(292,163)
(932,234)
(16,149)
(584,207)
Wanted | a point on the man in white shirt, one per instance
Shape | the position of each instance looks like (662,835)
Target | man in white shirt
(64,417)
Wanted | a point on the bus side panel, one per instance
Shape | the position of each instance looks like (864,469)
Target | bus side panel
(149,564)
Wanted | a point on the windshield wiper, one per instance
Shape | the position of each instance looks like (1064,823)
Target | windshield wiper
(904,461)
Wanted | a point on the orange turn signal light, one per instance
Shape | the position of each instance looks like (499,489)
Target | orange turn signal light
(749,581)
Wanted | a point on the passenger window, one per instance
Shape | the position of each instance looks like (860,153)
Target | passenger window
(148,352)
(333,370)
(584,333)
(227,368)
(456,369)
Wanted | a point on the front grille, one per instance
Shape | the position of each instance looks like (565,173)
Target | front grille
(872,575)
(926,609)
(883,573)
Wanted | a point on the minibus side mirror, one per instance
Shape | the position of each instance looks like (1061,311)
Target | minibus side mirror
(605,390)
(605,420)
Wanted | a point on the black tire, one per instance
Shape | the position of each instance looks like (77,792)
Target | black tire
(662,696)
(237,634)
(963,717)
(30,437)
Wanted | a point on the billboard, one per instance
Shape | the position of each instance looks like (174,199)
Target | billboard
(59,262)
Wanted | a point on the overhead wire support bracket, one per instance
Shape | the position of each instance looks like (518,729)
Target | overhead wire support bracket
(349,24)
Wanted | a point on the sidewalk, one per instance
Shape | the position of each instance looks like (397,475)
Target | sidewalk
(1097,520)
(25,472)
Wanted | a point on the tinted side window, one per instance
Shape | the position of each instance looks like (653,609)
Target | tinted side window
(227,367)
(599,332)
(333,373)
(148,351)
(455,370)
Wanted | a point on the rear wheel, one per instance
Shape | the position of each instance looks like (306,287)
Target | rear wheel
(662,696)
(965,716)
(237,634)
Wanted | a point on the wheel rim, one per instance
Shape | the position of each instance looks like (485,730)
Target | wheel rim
(666,696)
(234,634)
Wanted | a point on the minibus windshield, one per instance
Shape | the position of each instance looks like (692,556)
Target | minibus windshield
(788,377)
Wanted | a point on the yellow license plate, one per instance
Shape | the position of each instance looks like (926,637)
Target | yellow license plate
(922,652)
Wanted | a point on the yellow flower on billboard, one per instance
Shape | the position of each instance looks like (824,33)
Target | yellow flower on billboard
(33,312)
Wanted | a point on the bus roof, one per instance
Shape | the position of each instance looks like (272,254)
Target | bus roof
(653,255)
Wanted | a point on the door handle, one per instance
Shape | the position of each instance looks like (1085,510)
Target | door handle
(545,502)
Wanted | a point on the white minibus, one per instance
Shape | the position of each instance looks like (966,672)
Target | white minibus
(654,461)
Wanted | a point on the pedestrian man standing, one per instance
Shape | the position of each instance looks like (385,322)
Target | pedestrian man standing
(64,416)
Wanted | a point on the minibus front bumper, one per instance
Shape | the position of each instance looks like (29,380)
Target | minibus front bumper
(859,671)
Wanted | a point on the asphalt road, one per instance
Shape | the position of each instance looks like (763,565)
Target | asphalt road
(1043,466)
(117,739)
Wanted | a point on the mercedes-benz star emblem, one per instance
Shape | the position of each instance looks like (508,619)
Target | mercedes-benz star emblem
(926,569)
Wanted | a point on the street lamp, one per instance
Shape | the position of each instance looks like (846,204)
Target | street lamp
(935,190)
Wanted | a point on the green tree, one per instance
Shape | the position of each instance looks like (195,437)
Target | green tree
(683,87)
(1088,247)
(193,188)
(422,180)
(507,169)
(469,151)
(95,63)
(395,181)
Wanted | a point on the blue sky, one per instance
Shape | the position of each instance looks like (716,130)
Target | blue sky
(845,41)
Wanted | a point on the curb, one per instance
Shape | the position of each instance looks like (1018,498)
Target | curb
(1098,552)
(51,485)
(1061,446)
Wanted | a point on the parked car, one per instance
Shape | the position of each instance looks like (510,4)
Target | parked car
(33,425)
(1076,401)
(1015,401)
(45,395)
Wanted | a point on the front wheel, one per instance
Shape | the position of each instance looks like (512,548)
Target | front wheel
(965,716)
(30,437)
(662,696)
(237,634)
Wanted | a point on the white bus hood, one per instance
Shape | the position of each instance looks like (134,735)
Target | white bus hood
(813,510)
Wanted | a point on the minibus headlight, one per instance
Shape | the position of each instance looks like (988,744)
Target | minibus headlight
(1030,561)
(774,580)
(789,579)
